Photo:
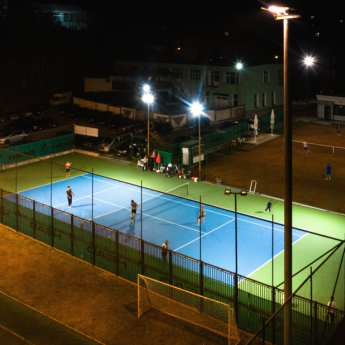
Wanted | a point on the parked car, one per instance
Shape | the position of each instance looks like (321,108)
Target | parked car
(45,123)
(10,136)
(26,123)
(109,143)
(205,122)
(228,124)
(26,112)
(125,124)
(140,128)
(11,115)
(161,128)
(123,148)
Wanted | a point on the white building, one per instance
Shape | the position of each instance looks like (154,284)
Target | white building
(331,108)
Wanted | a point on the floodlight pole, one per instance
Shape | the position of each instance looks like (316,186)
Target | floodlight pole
(228,191)
(148,130)
(199,150)
(287,196)
(282,13)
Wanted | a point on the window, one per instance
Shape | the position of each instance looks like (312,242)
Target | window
(78,17)
(281,77)
(232,78)
(212,78)
(273,97)
(194,74)
(207,97)
(72,17)
(235,100)
(266,77)
(66,17)
(263,100)
(339,110)
(256,100)
(177,74)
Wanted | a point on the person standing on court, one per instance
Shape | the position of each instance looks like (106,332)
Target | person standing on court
(331,306)
(305,147)
(338,129)
(165,250)
(145,161)
(69,196)
(269,206)
(134,206)
(68,167)
(328,172)
(202,214)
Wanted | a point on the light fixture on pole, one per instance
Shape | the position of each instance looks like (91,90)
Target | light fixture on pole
(239,67)
(196,109)
(148,98)
(308,61)
(284,13)
(228,191)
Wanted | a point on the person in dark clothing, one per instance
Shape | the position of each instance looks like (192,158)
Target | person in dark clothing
(328,172)
(69,194)
(269,206)
(165,250)
(151,163)
(134,206)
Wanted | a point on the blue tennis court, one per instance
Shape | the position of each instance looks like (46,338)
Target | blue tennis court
(169,217)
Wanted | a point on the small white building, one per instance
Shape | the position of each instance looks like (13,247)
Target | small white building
(330,107)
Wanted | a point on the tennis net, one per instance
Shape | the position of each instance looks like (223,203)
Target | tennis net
(319,148)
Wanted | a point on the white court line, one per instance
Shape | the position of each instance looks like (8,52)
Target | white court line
(43,185)
(248,276)
(266,226)
(207,233)
(86,196)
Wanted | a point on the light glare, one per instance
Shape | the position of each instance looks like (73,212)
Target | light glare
(309,61)
(196,109)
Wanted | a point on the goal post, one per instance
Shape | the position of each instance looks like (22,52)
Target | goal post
(202,311)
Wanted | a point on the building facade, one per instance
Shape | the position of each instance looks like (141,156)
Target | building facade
(331,107)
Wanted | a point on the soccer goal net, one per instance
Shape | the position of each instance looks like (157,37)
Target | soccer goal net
(215,316)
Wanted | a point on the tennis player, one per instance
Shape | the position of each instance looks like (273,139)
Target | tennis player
(202,214)
(68,167)
(69,196)
(134,206)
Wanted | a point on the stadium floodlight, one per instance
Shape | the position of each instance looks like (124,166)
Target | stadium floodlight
(196,109)
(148,98)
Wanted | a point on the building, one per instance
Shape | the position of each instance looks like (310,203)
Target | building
(69,16)
(234,93)
(331,107)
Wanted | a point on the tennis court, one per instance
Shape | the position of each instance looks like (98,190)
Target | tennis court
(169,216)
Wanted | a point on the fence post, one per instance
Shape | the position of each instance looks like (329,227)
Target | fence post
(117,255)
(265,177)
(17,213)
(170,268)
(2,206)
(236,296)
(224,169)
(142,257)
(72,235)
(201,277)
(52,224)
(333,193)
(273,322)
(244,173)
(307,186)
(93,244)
